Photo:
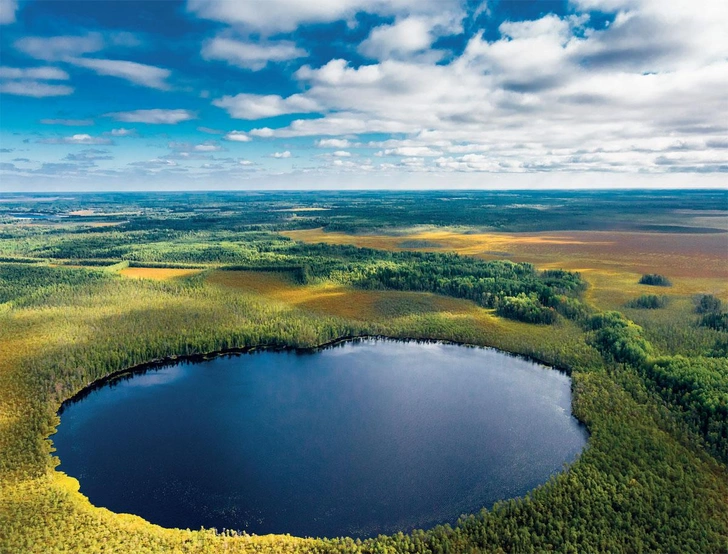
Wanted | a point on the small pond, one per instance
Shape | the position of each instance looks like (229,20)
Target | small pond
(366,437)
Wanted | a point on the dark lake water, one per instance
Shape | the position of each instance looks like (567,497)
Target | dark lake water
(25,215)
(363,438)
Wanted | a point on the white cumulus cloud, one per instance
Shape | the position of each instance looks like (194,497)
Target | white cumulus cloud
(238,136)
(7,11)
(80,138)
(256,106)
(272,16)
(410,35)
(154,116)
(333,143)
(263,132)
(59,47)
(137,73)
(250,55)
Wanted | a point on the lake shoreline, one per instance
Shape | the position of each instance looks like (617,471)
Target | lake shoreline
(159,363)
(372,377)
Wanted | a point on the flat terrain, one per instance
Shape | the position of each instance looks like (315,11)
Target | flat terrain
(282,270)
(611,261)
(343,301)
(157,273)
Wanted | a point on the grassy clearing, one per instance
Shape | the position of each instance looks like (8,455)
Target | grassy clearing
(157,273)
(342,301)
(612,262)
(612,289)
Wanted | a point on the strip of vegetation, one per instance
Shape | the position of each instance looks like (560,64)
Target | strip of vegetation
(24,284)
(165,265)
(697,387)
(19,260)
(93,263)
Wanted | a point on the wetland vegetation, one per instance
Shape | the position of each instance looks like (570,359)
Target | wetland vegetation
(101,283)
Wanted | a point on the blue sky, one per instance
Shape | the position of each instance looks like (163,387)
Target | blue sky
(362,93)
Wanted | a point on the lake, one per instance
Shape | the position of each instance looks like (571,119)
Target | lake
(366,437)
(28,215)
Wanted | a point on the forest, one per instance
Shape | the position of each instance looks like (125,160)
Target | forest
(94,284)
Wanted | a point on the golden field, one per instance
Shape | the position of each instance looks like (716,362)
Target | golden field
(610,261)
(340,300)
(157,273)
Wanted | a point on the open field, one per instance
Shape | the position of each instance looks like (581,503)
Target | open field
(610,261)
(344,301)
(157,273)
(424,314)
(676,254)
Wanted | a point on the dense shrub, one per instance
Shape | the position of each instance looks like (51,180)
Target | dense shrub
(707,304)
(716,321)
(648,302)
(699,387)
(720,348)
(655,280)
(525,308)
(570,308)
(618,338)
